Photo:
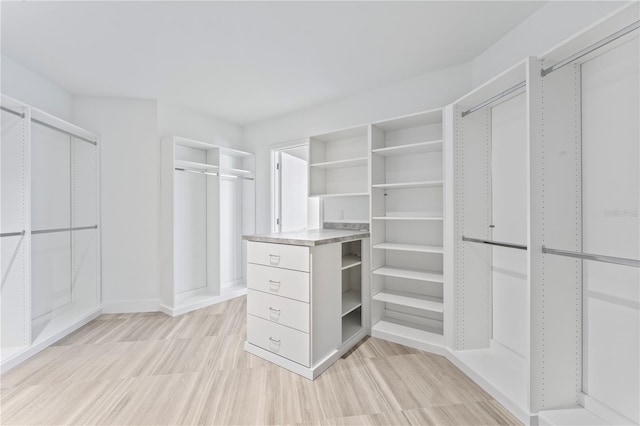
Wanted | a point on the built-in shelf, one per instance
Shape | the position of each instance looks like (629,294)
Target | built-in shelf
(417,248)
(407,218)
(405,185)
(348,194)
(351,162)
(390,328)
(350,301)
(411,300)
(412,274)
(409,149)
(350,260)
(232,171)
(194,165)
(351,324)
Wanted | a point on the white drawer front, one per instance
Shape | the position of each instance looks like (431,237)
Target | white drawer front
(282,282)
(284,341)
(279,255)
(279,310)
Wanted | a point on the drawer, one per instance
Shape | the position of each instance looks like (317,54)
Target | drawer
(282,282)
(279,255)
(281,310)
(284,341)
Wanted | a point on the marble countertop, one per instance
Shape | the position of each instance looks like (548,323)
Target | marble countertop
(309,237)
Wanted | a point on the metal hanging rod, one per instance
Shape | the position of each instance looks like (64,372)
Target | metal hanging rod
(500,95)
(42,123)
(596,257)
(202,172)
(10,111)
(626,30)
(494,243)
(12,234)
(77,228)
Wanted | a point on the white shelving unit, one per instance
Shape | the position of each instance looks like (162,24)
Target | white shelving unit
(407,230)
(208,202)
(50,244)
(352,289)
(339,174)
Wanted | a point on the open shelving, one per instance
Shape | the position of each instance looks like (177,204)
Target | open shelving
(352,321)
(407,229)
(205,212)
(339,170)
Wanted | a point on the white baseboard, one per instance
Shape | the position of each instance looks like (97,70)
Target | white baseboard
(30,351)
(130,306)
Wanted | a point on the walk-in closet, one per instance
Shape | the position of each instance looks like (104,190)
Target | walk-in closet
(269,213)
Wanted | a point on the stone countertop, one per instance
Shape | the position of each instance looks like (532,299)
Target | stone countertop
(309,237)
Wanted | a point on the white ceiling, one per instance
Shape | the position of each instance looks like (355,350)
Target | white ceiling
(247,61)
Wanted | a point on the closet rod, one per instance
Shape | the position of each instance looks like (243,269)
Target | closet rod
(494,243)
(212,174)
(50,126)
(500,95)
(10,111)
(596,257)
(77,228)
(12,234)
(595,46)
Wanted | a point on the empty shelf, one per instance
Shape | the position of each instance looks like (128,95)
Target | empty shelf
(350,260)
(351,325)
(411,274)
(433,304)
(408,149)
(407,218)
(350,301)
(231,171)
(346,194)
(194,165)
(406,185)
(409,247)
(407,331)
(577,416)
(352,162)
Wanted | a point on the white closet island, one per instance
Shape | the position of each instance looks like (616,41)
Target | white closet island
(305,300)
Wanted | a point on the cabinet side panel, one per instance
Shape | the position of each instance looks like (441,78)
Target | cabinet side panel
(326,300)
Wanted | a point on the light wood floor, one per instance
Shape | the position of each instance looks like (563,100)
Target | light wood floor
(192,369)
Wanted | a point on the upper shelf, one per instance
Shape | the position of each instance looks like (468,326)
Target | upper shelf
(410,149)
(352,162)
(194,165)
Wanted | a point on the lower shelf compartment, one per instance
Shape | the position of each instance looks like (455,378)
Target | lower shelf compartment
(407,333)
(578,416)
(433,304)
(351,324)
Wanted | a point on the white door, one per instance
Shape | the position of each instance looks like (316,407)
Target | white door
(293,193)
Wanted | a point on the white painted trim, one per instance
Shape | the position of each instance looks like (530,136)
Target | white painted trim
(603,411)
(30,351)
(130,306)
(203,303)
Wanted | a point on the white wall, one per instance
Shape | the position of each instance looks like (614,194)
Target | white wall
(544,29)
(24,85)
(178,121)
(130,190)
(424,92)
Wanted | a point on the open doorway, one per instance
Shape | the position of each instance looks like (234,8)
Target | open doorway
(289,189)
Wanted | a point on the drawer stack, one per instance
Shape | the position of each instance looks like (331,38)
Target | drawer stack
(279,313)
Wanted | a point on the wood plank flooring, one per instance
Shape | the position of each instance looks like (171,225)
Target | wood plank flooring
(151,369)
